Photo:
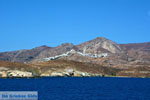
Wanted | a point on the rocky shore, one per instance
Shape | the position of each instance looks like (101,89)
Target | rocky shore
(66,68)
(69,73)
(6,72)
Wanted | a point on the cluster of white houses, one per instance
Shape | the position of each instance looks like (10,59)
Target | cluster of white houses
(73,51)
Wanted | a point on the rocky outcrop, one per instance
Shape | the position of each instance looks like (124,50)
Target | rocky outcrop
(69,73)
(66,68)
(6,72)
(99,45)
(12,69)
(17,73)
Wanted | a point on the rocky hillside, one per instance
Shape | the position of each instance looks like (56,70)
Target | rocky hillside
(9,69)
(23,55)
(129,58)
(70,69)
(138,52)
(96,46)
(99,45)
(117,53)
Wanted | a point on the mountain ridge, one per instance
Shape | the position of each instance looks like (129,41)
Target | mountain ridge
(96,57)
(99,45)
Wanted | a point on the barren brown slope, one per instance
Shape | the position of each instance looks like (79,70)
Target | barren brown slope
(22,55)
(118,54)
(137,52)
(20,66)
(59,65)
(99,45)
(134,70)
(63,48)
(80,66)
(140,46)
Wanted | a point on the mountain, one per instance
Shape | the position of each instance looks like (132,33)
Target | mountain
(137,51)
(90,51)
(96,46)
(95,57)
(22,55)
(139,46)
(54,51)
(99,45)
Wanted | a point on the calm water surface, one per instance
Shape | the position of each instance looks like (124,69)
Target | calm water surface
(82,88)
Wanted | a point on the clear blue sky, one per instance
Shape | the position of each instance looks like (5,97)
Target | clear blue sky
(26,24)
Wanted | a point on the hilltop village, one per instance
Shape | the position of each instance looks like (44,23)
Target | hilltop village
(73,52)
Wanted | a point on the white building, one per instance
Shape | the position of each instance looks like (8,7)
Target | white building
(72,52)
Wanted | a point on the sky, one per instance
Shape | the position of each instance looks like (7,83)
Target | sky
(25,24)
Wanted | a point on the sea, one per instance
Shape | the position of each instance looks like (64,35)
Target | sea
(82,88)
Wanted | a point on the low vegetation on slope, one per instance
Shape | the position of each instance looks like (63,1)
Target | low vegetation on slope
(19,66)
(63,68)
(80,66)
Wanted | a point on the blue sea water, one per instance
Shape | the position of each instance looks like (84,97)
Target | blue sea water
(58,88)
